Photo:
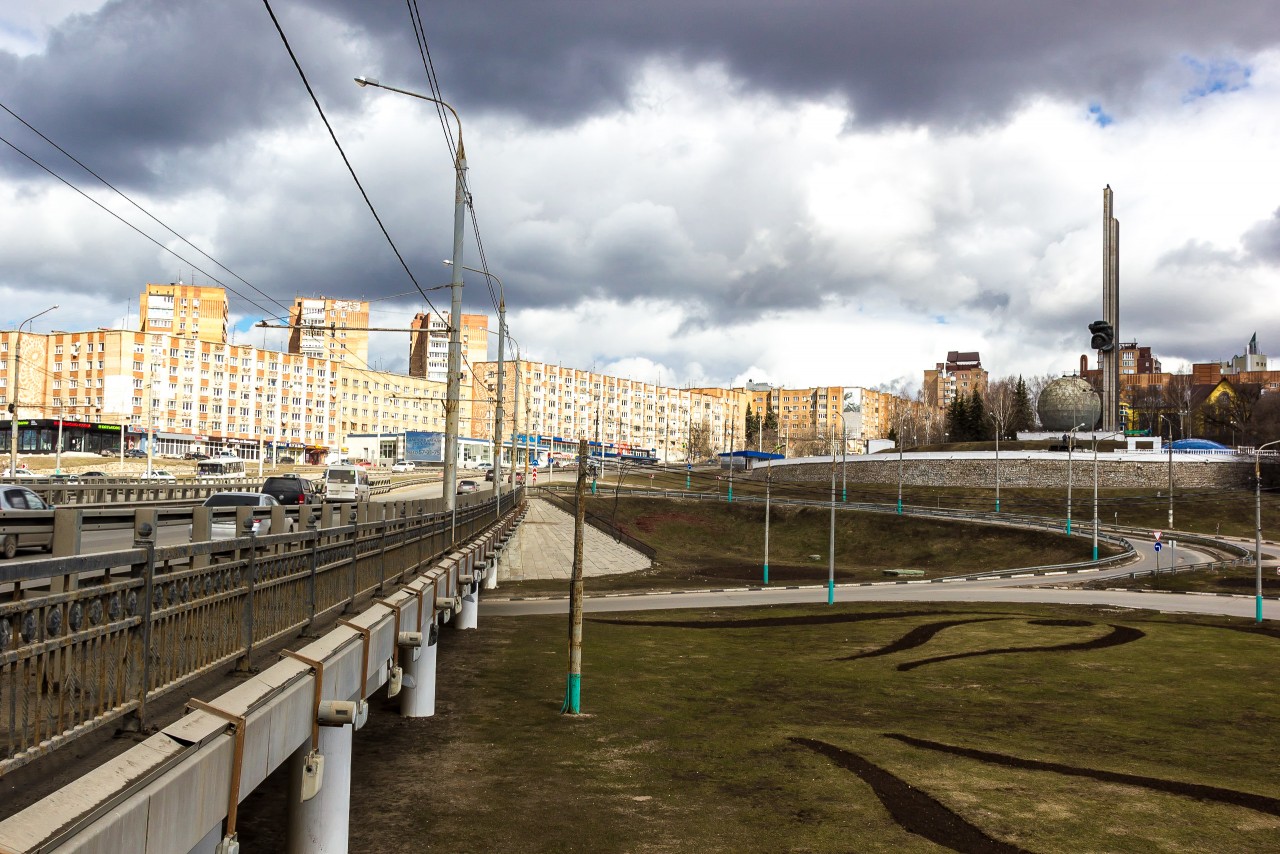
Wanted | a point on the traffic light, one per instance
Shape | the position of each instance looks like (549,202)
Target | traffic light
(1103,336)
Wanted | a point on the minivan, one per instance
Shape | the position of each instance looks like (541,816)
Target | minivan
(346,483)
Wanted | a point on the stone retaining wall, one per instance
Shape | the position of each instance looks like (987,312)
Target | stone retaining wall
(1188,473)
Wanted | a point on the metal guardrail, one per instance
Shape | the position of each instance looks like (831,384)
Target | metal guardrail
(84,655)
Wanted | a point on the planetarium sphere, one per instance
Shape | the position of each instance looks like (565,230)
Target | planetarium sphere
(1069,401)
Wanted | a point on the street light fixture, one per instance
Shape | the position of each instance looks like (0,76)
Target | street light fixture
(453,387)
(17,378)
(1070,443)
(1257,510)
(844,459)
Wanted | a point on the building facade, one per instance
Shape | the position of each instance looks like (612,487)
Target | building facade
(185,311)
(333,329)
(429,345)
(960,375)
(190,395)
(558,406)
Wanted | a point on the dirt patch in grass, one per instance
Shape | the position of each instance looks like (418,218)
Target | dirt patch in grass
(1119,635)
(915,811)
(1261,803)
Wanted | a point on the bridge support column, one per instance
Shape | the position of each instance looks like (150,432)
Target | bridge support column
(469,617)
(321,825)
(418,696)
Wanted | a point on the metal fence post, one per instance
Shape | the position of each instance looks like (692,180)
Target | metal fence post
(144,534)
(244,525)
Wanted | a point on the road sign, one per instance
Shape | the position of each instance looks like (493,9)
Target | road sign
(1156,534)
(1157,545)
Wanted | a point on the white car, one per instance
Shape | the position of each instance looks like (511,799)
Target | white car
(22,473)
(402,466)
(223,525)
(158,474)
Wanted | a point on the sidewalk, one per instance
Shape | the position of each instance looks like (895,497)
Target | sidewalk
(542,548)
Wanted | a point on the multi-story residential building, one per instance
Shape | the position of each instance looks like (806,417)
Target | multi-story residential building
(186,311)
(334,329)
(429,345)
(961,374)
(558,406)
(201,395)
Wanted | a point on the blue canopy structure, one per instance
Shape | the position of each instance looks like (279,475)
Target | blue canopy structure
(1197,445)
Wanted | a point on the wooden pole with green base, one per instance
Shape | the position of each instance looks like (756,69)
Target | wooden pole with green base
(573,687)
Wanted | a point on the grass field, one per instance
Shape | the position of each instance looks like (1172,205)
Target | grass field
(846,728)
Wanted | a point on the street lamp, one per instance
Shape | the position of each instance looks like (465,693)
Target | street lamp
(498,413)
(453,388)
(1095,494)
(17,378)
(1070,443)
(1166,420)
(900,444)
(844,460)
(1257,511)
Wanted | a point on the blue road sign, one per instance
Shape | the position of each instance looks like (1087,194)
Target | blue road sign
(1157,545)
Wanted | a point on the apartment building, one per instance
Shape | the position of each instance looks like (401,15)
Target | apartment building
(558,406)
(429,345)
(192,395)
(186,311)
(961,374)
(333,329)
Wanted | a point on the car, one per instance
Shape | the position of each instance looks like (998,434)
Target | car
(108,452)
(22,473)
(488,476)
(64,477)
(465,486)
(86,476)
(136,453)
(516,478)
(364,464)
(223,525)
(195,455)
(291,489)
(483,466)
(158,474)
(402,466)
(19,500)
(285,461)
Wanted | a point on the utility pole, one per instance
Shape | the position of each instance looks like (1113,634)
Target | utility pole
(573,688)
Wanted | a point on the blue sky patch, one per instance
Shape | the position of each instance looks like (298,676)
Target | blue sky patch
(1214,77)
(1100,117)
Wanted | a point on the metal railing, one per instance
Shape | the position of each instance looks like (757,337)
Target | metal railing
(83,655)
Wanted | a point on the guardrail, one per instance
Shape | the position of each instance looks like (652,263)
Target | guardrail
(83,655)
(135,491)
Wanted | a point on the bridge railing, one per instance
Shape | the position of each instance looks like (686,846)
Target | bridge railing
(116,630)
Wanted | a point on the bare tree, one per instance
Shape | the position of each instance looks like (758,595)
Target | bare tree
(700,440)
(1000,402)
(1035,385)
(1177,398)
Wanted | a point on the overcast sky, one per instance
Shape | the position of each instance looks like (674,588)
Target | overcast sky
(805,193)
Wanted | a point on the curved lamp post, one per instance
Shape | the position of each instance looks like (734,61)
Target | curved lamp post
(453,389)
(17,378)
(1257,510)
(1070,443)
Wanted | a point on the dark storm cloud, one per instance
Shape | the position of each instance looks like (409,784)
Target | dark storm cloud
(909,61)
(141,80)
(1263,240)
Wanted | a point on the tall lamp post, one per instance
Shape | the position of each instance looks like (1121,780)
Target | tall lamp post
(1257,510)
(499,415)
(900,444)
(1070,443)
(1166,420)
(844,460)
(17,378)
(831,549)
(453,388)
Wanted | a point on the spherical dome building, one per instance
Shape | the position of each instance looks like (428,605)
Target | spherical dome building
(1068,402)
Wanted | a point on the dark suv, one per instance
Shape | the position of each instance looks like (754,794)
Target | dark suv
(290,489)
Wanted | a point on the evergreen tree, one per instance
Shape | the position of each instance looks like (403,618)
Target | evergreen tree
(770,417)
(957,418)
(1024,417)
(752,421)
(978,429)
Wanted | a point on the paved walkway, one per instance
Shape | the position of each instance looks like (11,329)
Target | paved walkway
(543,549)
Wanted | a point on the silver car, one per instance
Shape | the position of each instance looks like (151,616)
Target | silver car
(223,525)
(16,501)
